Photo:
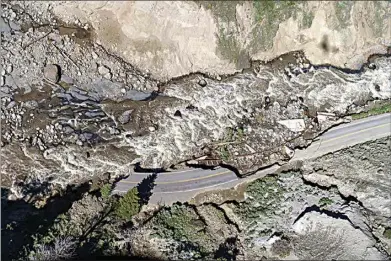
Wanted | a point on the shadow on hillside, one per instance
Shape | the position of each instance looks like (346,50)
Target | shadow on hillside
(21,220)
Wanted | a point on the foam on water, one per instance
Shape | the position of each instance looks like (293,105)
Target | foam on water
(224,104)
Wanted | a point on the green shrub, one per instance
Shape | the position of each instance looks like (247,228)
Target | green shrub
(265,197)
(387,233)
(128,205)
(240,133)
(325,202)
(105,191)
(224,153)
(182,224)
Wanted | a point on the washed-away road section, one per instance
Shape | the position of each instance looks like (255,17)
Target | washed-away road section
(184,184)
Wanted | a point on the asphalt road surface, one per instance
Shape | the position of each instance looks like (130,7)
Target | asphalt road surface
(184,184)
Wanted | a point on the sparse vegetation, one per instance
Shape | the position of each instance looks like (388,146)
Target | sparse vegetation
(228,45)
(265,196)
(234,134)
(375,110)
(259,118)
(64,85)
(324,202)
(268,16)
(271,9)
(240,133)
(224,10)
(307,19)
(342,11)
(229,136)
(381,17)
(282,247)
(224,153)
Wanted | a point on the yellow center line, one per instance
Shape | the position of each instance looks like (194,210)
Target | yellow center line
(353,133)
(181,181)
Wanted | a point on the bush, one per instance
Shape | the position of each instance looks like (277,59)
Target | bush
(224,153)
(387,233)
(128,205)
(105,191)
(323,202)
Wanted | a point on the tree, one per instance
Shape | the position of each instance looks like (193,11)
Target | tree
(128,205)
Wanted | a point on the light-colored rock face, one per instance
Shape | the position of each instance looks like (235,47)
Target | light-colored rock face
(334,238)
(367,180)
(175,38)
(341,33)
(167,38)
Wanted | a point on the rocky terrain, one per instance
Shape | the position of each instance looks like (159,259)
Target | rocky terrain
(336,207)
(91,89)
(72,110)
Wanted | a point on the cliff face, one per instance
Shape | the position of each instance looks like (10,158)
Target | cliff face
(170,39)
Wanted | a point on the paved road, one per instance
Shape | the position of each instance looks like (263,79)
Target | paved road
(184,184)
